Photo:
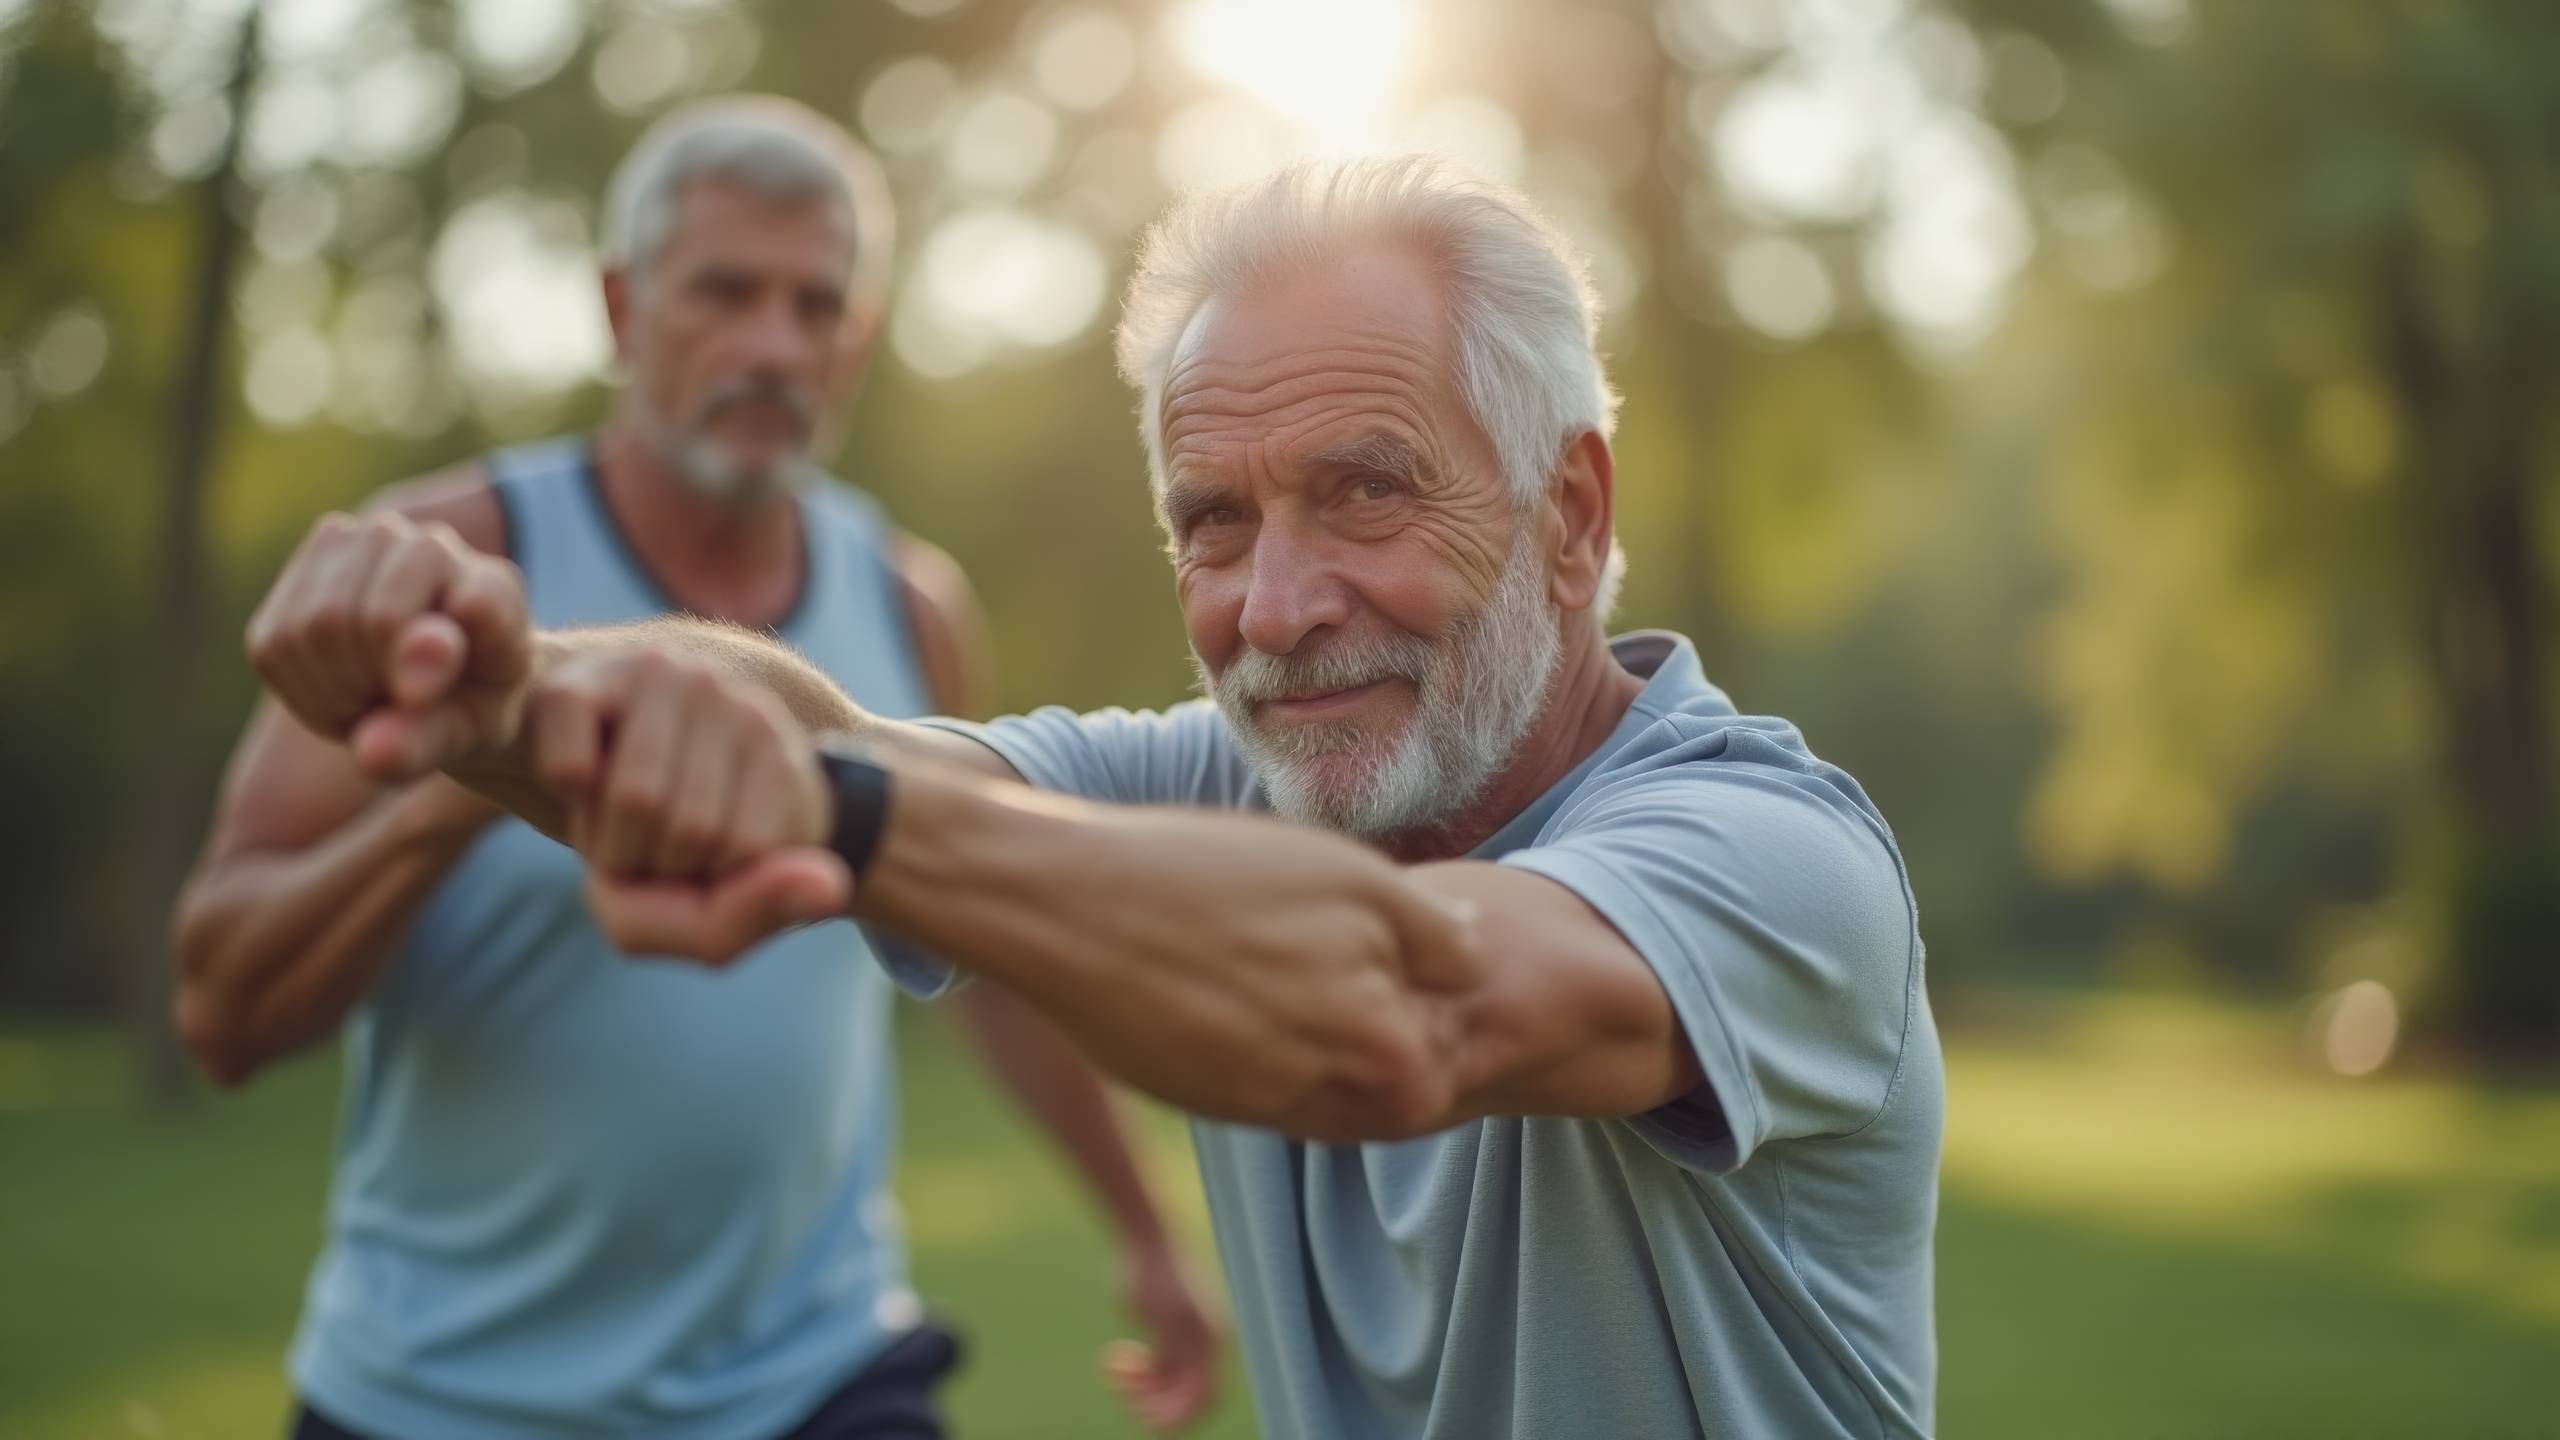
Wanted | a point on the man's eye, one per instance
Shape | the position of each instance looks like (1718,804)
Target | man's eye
(1377,487)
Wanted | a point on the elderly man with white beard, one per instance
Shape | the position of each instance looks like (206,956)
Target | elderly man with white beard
(1556,1034)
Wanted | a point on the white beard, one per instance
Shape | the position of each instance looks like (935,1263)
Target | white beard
(710,472)
(713,473)
(1477,694)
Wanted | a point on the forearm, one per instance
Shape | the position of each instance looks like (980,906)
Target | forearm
(1049,1078)
(275,946)
(1236,967)
(509,775)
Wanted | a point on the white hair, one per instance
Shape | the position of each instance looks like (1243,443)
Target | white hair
(775,147)
(1523,318)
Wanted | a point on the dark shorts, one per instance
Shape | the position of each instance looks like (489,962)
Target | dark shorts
(892,1399)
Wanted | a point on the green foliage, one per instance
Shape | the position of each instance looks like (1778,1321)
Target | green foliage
(2302,481)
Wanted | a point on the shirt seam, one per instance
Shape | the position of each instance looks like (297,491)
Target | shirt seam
(1911,954)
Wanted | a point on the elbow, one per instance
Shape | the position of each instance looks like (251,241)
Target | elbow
(207,1021)
(225,1055)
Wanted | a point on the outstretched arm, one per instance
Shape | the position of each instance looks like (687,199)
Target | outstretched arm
(1235,966)
(1268,973)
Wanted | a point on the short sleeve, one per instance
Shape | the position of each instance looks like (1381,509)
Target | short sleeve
(1179,756)
(1776,914)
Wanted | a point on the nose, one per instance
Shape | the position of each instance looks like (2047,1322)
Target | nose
(1293,590)
(775,341)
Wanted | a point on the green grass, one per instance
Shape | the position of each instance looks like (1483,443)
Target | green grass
(2156,1223)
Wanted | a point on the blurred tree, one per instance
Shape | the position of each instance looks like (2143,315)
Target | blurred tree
(2106,427)
(171,803)
(2310,468)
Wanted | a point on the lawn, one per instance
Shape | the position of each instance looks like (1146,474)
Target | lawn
(2156,1223)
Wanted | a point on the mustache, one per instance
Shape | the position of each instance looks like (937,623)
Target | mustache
(802,406)
(1254,677)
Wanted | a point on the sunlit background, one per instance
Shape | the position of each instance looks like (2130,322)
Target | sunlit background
(2118,430)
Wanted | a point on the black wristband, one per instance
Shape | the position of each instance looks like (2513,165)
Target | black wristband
(861,792)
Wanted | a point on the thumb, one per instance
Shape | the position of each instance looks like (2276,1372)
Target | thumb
(799,886)
(427,659)
(718,921)
(393,744)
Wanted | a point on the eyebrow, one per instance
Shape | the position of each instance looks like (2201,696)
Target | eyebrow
(1388,454)
(1185,501)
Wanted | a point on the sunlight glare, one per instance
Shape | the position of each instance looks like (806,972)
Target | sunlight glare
(1331,67)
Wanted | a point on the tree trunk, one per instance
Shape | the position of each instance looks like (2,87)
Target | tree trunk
(2483,601)
(170,809)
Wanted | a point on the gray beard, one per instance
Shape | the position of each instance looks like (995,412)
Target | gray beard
(1477,695)
(713,475)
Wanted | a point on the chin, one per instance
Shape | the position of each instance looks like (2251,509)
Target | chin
(719,473)
(1336,791)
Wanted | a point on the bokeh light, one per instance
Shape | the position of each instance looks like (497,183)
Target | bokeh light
(1082,56)
(990,279)
(69,352)
(1331,67)
(516,282)
(2354,1029)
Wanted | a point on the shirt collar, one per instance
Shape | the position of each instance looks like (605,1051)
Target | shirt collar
(1675,683)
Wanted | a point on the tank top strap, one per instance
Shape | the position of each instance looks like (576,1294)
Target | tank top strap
(852,616)
(577,568)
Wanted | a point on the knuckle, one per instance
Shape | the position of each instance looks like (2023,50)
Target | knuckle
(485,581)
(329,622)
(568,682)
(576,690)
(556,768)
(379,616)
(634,800)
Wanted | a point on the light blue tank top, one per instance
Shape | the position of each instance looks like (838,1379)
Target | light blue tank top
(578,1194)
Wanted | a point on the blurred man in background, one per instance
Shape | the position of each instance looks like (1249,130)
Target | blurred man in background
(576,1194)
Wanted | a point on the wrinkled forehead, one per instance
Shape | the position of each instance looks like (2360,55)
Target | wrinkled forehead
(1364,336)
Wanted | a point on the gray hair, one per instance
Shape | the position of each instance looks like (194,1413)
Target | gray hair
(1524,320)
(773,146)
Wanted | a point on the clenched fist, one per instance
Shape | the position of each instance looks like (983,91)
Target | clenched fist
(693,794)
(398,639)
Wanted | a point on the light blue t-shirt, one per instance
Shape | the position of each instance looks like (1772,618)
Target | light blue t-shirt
(1751,1261)
(583,1195)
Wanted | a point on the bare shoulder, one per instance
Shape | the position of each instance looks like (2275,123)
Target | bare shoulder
(460,496)
(950,630)
(933,578)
